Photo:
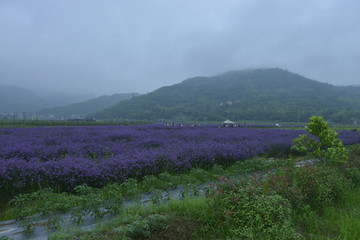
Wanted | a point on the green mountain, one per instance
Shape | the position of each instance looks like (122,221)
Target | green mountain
(16,99)
(80,110)
(261,94)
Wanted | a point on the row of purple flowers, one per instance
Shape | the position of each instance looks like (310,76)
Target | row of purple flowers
(64,157)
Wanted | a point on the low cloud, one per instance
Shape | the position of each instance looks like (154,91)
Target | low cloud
(105,47)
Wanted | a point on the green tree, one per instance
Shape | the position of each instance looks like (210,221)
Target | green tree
(326,145)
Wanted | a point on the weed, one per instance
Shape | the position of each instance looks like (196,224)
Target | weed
(130,187)
(156,197)
(151,182)
(53,223)
(133,226)
(340,221)
(77,216)
(317,186)
(28,225)
(250,213)
(4,238)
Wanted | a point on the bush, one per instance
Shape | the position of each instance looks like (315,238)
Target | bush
(351,170)
(353,175)
(326,145)
(316,186)
(284,186)
(137,227)
(250,213)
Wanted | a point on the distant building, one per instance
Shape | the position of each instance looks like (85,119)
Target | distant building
(228,123)
(76,119)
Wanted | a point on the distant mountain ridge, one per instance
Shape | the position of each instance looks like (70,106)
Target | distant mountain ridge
(82,109)
(16,99)
(259,94)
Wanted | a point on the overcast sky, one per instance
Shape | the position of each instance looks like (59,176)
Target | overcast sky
(118,46)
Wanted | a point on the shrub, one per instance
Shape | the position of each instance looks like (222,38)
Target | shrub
(351,170)
(138,227)
(284,186)
(250,213)
(353,175)
(317,186)
(326,145)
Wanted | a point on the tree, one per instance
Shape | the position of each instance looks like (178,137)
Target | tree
(323,144)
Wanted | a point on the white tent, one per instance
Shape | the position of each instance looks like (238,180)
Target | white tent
(228,122)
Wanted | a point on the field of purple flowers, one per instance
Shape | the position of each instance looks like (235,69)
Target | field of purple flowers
(65,157)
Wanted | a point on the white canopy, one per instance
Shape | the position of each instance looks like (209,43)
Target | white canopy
(228,122)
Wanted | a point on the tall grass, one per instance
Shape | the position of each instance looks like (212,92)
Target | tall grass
(341,221)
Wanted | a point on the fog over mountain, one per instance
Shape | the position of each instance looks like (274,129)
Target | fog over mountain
(17,99)
(93,47)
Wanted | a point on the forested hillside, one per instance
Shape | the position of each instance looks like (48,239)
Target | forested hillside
(261,94)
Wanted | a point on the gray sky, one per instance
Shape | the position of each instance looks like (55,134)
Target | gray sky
(117,46)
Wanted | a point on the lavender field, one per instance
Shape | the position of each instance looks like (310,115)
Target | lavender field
(64,157)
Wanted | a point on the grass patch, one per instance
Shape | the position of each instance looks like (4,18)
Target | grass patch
(341,221)
(167,221)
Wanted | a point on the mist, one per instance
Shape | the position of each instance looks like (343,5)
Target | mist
(91,48)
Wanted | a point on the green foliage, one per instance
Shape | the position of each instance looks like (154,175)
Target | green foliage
(88,201)
(53,223)
(252,165)
(352,174)
(4,238)
(91,203)
(129,226)
(43,202)
(130,187)
(28,226)
(340,221)
(327,146)
(151,182)
(250,213)
(263,94)
(196,208)
(199,175)
(316,186)
(285,186)
(351,170)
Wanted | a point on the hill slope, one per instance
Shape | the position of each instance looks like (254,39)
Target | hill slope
(84,108)
(262,94)
(16,99)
